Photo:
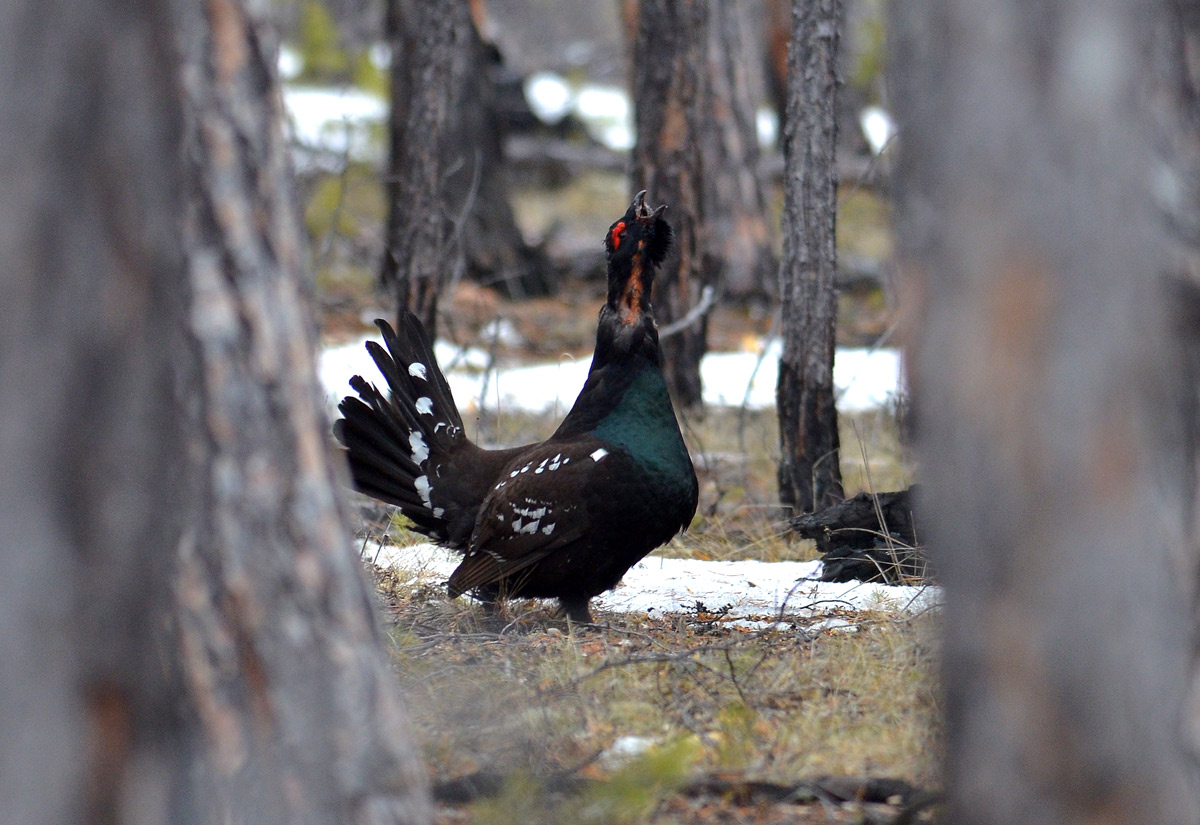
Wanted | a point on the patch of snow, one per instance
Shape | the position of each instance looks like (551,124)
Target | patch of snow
(660,586)
(865,379)
(502,331)
(548,95)
(624,749)
(759,624)
(289,63)
(380,55)
(877,126)
(832,625)
(607,114)
(334,123)
(767,125)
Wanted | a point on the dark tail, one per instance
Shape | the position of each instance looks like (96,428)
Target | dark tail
(390,440)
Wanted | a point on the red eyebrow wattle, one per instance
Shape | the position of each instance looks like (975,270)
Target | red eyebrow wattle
(615,238)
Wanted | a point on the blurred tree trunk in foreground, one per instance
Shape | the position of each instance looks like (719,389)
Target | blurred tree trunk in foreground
(810,476)
(186,635)
(449,208)
(1055,382)
(285,668)
(697,151)
(95,479)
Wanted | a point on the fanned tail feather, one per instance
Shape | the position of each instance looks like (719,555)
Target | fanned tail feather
(391,441)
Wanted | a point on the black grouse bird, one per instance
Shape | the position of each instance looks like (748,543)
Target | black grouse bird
(562,519)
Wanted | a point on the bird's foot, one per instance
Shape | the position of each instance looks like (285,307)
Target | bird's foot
(576,610)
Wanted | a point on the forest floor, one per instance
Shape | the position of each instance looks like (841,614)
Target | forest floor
(678,718)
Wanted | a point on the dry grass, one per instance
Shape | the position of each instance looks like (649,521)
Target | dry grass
(528,697)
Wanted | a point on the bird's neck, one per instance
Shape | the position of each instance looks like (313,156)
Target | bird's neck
(629,288)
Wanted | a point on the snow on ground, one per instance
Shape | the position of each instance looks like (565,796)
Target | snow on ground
(865,379)
(757,592)
(328,125)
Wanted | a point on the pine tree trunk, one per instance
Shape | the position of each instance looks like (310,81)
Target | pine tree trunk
(810,476)
(697,151)
(96,471)
(449,208)
(1055,386)
(425,36)
(187,635)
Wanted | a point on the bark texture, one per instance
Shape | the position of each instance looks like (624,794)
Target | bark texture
(697,151)
(286,676)
(95,469)
(810,476)
(1053,372)
(186,634)
(449,209)
(426,35)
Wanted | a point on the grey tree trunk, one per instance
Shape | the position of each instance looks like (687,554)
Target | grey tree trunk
(696,151)
(425,34)
(186,634)
(449,209)
(96,471)
(1054,377)
(285,670)
(810,476)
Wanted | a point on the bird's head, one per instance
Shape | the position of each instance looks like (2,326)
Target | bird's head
(636,245)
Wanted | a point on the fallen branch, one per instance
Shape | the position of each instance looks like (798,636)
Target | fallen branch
(708,297)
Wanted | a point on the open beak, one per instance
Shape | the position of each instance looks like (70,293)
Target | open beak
(642,212)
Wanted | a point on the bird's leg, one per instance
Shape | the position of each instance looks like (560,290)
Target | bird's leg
(489,598)
(576,609)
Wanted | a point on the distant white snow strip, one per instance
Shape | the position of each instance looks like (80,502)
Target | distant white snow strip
(865,379)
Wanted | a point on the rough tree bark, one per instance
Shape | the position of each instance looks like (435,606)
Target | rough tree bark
(697,151)
(449,208)
(1055,404)
(425,35)
(279,646)
(94,494)
(810,476)
(186,634)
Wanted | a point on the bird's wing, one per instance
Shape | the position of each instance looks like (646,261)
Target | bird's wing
(538,505)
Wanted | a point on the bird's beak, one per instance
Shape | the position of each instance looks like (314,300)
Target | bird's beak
(639,205)
(642,212)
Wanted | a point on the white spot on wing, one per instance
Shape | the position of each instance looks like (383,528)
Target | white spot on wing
(417,370)
(420,450)
(425,405)
(599,454)
(548,529)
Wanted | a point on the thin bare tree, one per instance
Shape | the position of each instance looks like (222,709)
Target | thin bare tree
(810,476)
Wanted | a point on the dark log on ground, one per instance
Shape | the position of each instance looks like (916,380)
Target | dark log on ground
(867,538)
